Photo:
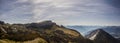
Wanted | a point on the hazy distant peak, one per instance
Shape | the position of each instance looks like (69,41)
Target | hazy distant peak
(2,22)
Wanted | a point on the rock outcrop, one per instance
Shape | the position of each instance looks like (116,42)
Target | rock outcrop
(48,31)
(54,33)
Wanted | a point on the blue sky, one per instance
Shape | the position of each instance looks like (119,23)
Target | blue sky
(65,12)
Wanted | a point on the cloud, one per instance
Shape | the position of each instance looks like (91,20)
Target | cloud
(60,11)
(53,8)
(15,11)
(114,3)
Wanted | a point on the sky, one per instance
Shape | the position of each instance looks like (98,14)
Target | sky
(64,12)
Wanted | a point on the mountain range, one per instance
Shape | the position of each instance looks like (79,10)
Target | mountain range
(50,32)
(112,30)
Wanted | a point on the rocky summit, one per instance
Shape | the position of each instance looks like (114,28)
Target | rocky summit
(42,32)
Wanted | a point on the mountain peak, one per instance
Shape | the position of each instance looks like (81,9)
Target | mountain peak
(101,36)
(99,30)
(46,21)
(99,33)
(2,22)
(43,24)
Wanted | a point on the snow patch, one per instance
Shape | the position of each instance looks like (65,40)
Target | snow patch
(93,37)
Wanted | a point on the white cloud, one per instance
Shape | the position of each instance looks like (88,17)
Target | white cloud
(57,10)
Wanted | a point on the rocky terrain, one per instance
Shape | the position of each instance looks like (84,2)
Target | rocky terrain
(49,32)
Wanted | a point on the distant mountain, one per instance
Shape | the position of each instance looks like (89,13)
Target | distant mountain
(113,30)
(1,22)
(84,29)
(100,36)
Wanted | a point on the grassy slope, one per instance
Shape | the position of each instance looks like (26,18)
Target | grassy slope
(37,40)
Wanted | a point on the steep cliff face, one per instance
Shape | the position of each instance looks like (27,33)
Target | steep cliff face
(47,32)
